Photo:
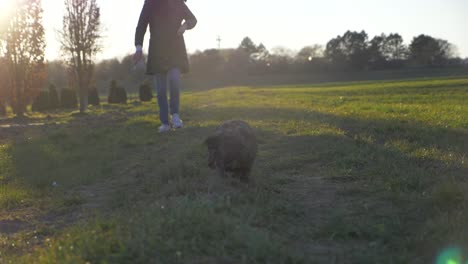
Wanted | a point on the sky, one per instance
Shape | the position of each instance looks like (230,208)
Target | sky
(292,24)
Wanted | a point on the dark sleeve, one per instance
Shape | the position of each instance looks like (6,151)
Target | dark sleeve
(143,23)
(188,16)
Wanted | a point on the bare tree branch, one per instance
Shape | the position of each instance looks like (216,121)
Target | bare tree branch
(79,40)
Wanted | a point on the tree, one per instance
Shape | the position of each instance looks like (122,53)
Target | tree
(4,77)
(22,47)
(259,61)
(208,62)
(377,58)
(237,62)
(248,46)
(308,53)
(393,48)
(281,59)
(447,50)
(428,51)
(349,50)
(108,69)
(80,43)
(355,47)
(261,55)
(335,53)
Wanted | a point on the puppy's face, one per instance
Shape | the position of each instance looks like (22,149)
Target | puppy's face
(213,150)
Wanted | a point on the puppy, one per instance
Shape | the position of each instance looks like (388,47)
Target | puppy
(232,149)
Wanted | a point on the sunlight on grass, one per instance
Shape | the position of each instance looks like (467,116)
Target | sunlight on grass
(297,127)
(147,120)
(421,101)
(11,194)
(427,153)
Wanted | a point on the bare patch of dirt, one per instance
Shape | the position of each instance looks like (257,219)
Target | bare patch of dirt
(17,129)
(8,227)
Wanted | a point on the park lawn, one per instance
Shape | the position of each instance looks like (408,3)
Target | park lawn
(370,172)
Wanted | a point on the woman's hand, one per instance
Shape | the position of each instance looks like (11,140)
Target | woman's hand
(138,56)
(182,29)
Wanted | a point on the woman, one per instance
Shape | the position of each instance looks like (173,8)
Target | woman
(167,55)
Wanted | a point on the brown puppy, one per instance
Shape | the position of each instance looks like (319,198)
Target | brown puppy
(233,149)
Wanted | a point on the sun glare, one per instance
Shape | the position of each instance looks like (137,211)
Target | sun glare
(5,8)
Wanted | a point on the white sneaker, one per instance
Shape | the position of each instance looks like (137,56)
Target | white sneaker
(177,122)
(164,128)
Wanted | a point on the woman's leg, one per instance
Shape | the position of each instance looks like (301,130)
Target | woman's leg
(160,81)
(174,88)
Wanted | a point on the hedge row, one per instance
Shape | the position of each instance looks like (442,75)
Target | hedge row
(50,99)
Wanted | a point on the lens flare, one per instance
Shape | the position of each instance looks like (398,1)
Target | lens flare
(450,256)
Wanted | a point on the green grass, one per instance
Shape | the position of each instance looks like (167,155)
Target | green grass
(371,172)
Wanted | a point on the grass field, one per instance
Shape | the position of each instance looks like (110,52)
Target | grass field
(372,172)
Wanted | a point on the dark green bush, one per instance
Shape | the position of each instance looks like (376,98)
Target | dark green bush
(146,93)
(54,102)
(68,99)
(122,95)
(41,103)
(93,97)
(117,95)
(112,98)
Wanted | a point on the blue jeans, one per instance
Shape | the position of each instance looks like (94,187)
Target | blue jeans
(161,82)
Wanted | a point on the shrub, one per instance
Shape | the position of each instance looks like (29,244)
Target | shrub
(122,95)
(112,98)
(93,97)
(41,103)
(54,102)
(117,95)
(146,93)
(68,99)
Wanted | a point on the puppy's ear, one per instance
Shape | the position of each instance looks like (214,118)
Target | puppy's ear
(212,141)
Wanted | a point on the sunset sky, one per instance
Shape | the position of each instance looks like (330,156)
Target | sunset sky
(293,23)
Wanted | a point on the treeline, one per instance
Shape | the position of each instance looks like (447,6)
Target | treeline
(349,53)
(352,51)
